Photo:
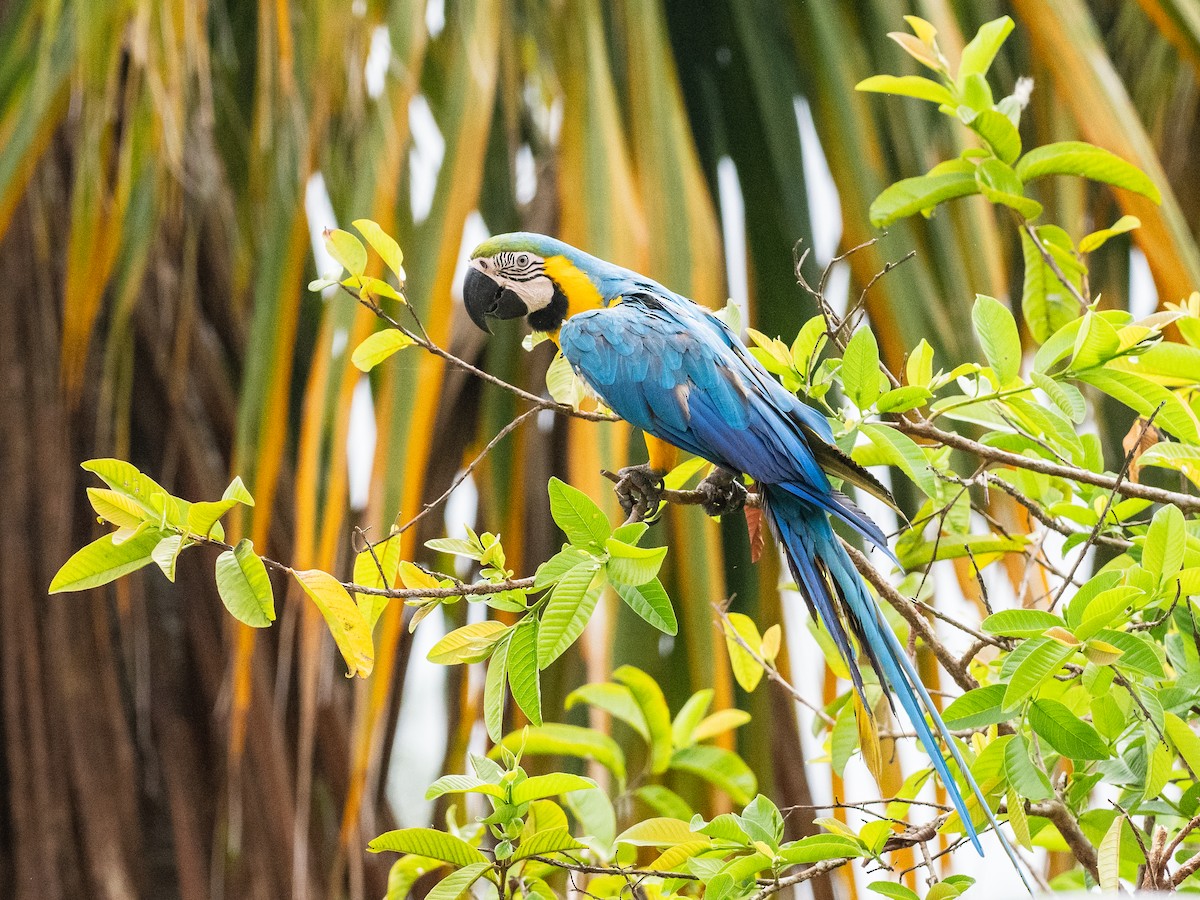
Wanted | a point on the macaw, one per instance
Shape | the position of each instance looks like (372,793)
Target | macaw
(673,369)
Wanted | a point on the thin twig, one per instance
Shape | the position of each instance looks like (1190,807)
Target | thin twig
(1054,266)
(466,473)
(1091,539)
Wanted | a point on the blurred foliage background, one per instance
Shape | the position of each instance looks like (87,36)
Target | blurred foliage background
(156,159)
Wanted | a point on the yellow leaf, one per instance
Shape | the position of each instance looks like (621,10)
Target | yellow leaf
(471,643)
(745,669)
(346,622)
(770,643)
(378,347)
(383,244)
(868,740)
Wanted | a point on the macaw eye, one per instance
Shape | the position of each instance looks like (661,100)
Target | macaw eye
(523,260)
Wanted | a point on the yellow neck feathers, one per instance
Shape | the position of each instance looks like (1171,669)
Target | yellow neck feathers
(581,294)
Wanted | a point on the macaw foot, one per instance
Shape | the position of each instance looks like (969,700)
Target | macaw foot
(723,492)
(640,488)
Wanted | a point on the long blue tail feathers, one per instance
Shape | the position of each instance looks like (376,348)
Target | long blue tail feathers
(826,575)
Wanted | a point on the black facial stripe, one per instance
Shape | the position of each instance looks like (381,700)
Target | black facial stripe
(550,316)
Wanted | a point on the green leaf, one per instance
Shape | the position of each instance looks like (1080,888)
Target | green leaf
(379,346)
(237,491)
(820,847)
(616,700)
(746,669)
(860,369)
(102,561)
(977,56)
(567,612)
(721,721)
(1098,239)
(493,690)
(977,708)
(568,740)
(581,520)
(892,890)
(463,784)
(1064,395)
(918,368)
(539,787)
(245,586)
(429,843)
(901,451)
(1021,622)
(650,601)
(543,843)
(1022,771)
(552,570)
(1096,343)
(1162,554)
(115,508)
(1138,654)
(1088,161)
(919,195)
(1143,397)
(1000,184)
(1102,609)
(203,518)
(997,331)
(166,553)
(347,250)
(383,244)
(126,480)
(1066,732)
(346,622)
(908,86)
(632,565)
(1182,458)
(653,704)
(718,767)
(1041,663)
(1000,133)
(470,643)
(902,399)
(1158,772)
(1183,739)
(523,668)
(1047,305)
(458,884)
(689,716)
(1108,860)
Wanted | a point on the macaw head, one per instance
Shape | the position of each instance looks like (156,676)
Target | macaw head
(530,275)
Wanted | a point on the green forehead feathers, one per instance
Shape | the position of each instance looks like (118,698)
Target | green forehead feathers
(513,243)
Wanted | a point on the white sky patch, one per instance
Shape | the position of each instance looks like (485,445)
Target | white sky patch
(420,729)
(425,157)
(824,205)
(361,435)
(475,232)
(525,175)
(462,511)
(337,344)
(435,17)
(837,289)
(733,231)
(318,209)
(379,57)
(1143,293)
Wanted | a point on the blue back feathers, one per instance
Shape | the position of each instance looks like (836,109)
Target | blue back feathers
(677,372)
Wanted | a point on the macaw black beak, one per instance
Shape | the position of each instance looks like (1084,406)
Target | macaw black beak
(485,299)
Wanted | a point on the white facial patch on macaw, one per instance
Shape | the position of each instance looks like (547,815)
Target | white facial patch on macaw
(522,273)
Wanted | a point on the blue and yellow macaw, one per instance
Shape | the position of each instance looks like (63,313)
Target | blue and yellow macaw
(677,372)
